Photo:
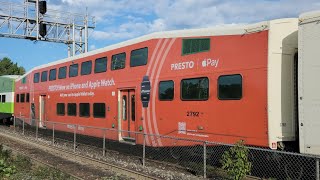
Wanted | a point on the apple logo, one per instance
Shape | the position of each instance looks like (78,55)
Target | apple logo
(204,63)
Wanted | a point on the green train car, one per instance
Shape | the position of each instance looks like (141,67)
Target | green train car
(7,98)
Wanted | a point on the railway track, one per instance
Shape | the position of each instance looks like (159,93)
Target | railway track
(67,154)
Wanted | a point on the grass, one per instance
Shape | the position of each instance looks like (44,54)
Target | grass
(25,169)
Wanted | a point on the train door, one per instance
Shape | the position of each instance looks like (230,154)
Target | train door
(42,110)
(127,114)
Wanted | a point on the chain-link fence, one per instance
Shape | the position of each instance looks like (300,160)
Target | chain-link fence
(201,158)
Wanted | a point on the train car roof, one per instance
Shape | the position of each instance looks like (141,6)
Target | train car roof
(309,17)
(213,31)
(10,76)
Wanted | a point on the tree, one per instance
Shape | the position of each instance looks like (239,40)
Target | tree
(7,67)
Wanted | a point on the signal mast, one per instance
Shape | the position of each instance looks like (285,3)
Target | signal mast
(33,21)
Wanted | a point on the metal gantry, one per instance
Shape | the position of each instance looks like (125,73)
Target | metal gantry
(24,21)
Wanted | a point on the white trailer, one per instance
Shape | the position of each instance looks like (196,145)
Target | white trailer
(309,83)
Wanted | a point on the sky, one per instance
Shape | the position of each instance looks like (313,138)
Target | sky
(120,20)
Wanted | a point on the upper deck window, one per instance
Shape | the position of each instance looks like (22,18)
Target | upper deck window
(24,80)
(73,70)
(44,76)
(230,87)
(195,89)
(118,61)
(100,65)
(62,72)
(36,77)
(191,46)
(53,74)
(139,57)
(86,68)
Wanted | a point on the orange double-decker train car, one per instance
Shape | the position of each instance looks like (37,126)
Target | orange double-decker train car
(214,84)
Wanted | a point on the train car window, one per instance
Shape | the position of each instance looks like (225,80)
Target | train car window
(60,109)
(118,61)
(73,70)
(191,46)
(28,97)
(0,98)
(86,68)
(99,110)
(230,87)
(22,96)
(44,76)
(24,80)
(139,57)
(53,74)
(36,77)
(72,109)
(166,90)
(195,89)
(124,107)
(100,65)
(84,110)
(133,107)
(18,98)
(62,72)
(3,99)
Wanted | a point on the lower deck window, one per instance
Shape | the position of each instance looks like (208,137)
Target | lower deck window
(99,110)
(3,99)
(166,90)
(84,110)
(195,89)
(60,109)
(72,109)
(230,87)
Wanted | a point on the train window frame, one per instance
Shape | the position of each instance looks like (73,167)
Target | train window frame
(81,112)
(69,112)
(73,73)
(3,98)
(104,67)
(53,76)
(145,61)
(112,60)
(44,76)
(22,97)
(185,41)
(218,87)
(61,113)
(86,68)
(62,74)
(181,89)
(96,113)
(17,98)
(28,97)
(36,77)
(159,90)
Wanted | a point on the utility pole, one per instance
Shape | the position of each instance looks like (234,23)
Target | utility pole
(33,21)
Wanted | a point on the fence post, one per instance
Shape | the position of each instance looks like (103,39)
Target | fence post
(74,138)
(22,126)
(317,169)
(205,159)
(144,151)
(37,128)
(104,143)
(52,134)
(14,123)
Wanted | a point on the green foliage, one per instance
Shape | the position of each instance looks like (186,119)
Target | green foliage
(236,161)
(7,67)
(6,170)
(49,173)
